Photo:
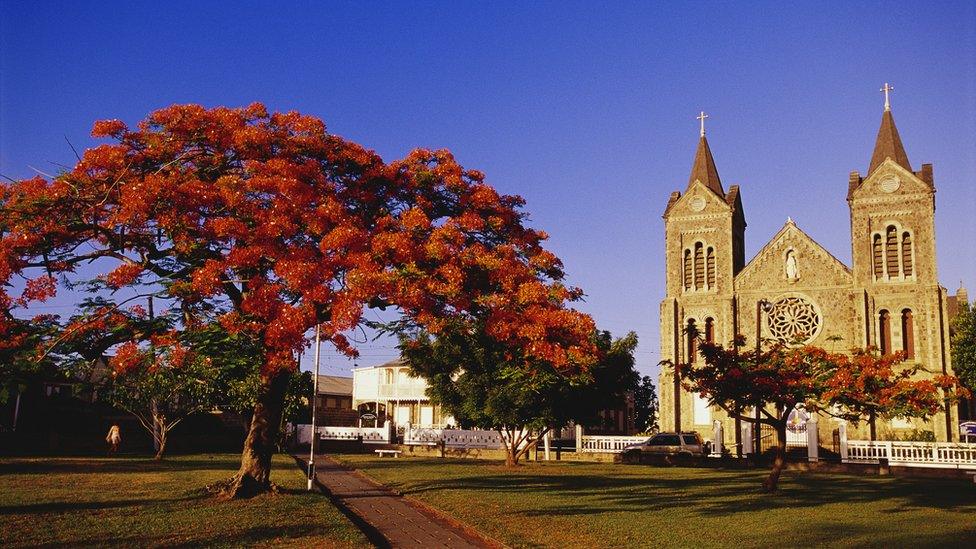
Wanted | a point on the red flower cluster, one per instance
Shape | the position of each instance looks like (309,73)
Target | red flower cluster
(280,226)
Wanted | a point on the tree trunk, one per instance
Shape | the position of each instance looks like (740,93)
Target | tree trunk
(254,476)
(772,481)
(511,452)
(511,460)
(156,423)
(872,422)
(162,443)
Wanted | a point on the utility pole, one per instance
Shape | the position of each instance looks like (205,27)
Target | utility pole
(315,397)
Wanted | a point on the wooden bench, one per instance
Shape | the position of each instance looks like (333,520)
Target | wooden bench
(394,453)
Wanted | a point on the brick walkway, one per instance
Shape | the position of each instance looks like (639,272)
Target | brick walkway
(390,520)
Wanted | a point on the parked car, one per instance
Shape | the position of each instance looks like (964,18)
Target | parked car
(667,446)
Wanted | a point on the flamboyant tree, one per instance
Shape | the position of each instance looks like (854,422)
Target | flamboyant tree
(869,385)
(161,389)
(777,379)
(269,225)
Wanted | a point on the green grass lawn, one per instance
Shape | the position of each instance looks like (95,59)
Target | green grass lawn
(137,502)
(605,505)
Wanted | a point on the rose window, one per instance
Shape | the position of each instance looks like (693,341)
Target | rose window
(794,319)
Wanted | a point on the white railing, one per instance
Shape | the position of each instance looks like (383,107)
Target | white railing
(797,438)
(402,391)
(912,454)
(453,438)
(608,444)
(375,435)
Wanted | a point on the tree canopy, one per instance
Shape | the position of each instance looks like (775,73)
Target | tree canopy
(964,345)
(269,225)
(646,405)
(485,385)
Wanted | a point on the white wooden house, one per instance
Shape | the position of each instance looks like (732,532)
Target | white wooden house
(390,392)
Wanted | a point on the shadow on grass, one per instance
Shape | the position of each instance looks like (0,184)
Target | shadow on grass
(243,537)
(67,506)
(67,466)
(704,491)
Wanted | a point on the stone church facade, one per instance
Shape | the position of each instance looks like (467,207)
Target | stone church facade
(890,296)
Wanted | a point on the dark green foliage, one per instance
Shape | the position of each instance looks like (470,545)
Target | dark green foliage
(964,345)
(485,385)
(646,405)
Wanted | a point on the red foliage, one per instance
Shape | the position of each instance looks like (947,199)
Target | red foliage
(286,226)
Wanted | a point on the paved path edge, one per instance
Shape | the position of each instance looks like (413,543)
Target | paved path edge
(372,533)
(434,513)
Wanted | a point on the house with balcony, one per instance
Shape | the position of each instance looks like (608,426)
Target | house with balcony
(388,391)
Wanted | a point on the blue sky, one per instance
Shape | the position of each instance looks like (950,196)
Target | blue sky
(585,109)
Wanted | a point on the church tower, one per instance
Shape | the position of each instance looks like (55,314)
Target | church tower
(704,250)
(901,304)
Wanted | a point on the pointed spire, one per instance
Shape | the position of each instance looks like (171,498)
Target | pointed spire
(888,144)
(704,169)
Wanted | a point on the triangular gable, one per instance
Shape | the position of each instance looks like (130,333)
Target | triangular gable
(908,182)
(697,188)
(813,262)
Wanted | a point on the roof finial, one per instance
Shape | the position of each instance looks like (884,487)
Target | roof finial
(887,89)
(701,117)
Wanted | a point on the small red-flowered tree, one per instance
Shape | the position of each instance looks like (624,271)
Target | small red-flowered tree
(270,226)
(777,379)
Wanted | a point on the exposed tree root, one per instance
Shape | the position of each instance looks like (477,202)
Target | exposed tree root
(241,486)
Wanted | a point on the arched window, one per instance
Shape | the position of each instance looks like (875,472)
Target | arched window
(878,259)
(884,332)
(907,333)
(699,266)
(687,269)
(891,251)
(710,267)
(906,253)
(710,330)
(692,334)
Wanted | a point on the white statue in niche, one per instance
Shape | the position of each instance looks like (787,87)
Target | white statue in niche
(791,269)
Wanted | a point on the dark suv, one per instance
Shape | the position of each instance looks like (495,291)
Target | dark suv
(682,446)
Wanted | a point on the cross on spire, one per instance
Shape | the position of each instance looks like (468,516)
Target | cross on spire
(887,89)
(701,117)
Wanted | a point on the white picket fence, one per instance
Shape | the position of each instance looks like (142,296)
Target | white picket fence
(608,444)
(373,435)
(453,438)
(956,455)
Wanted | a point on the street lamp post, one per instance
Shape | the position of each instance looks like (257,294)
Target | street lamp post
(315,396)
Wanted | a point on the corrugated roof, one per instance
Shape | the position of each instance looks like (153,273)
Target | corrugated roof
(335,385)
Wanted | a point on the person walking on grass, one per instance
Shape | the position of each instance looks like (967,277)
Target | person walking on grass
(114,438)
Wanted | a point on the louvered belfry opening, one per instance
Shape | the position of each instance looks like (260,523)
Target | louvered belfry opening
(891,251)
(710,267)
(906,253)
(687,270)
(699,266)
(878,258)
